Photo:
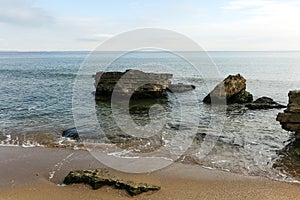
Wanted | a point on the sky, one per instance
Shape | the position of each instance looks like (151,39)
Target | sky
(232,25)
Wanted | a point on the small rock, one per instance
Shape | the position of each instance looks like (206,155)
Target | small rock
(71,133)
(179,127)
(264,103)
(180,87)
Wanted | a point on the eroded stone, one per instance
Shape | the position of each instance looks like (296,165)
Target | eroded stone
(131,83)
(100,177)
(231,90)
(290,118)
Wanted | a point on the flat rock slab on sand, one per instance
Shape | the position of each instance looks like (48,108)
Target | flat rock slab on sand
(101,177)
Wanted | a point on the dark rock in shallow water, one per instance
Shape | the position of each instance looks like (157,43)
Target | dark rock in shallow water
(241,98)
(289,159)
(71,133)
(290,119)
(180,87)
(179,127)
(131,83)
(264,103)
(232,90)
(100,177)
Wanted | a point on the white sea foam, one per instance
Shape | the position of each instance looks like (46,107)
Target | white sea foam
(59,165)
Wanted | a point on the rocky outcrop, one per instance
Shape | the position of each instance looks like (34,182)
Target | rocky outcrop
(180,87)
(131,83)
(264,103)
(290,119)
(100,177)
(232,90)
(288,159)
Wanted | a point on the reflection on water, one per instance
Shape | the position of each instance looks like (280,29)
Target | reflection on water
(139,113)
(249,142)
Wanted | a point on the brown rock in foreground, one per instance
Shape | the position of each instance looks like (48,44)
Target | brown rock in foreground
(131,83)
(100,177)
(231,90)
(290,119)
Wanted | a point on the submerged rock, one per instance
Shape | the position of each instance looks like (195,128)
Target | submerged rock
(289,159)
(264,103)
(100,177)
(71,133)
(231,90)
(131,83)
(290,119)
(180,87)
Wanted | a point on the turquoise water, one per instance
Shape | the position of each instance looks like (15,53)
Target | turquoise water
(36,95)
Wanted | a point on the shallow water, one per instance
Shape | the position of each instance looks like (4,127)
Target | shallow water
(36,98)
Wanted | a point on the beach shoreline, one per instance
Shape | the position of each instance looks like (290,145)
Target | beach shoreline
(36,173)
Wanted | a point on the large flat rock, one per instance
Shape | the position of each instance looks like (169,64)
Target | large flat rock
(131,83)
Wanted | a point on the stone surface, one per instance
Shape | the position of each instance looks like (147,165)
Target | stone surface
(232,89)
(290,118)
(131,83)
(180,87)
(100,177)
(289,159)
(71,133)
(264,103)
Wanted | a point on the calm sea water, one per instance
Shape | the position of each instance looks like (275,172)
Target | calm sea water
(36,96)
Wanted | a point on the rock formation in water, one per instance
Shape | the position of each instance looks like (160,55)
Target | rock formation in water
(290,119)
(71,133)
(231,90)
(264,103)
(131,83)
(100,177)
(180,87)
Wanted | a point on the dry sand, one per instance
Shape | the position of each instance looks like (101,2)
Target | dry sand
(26,173)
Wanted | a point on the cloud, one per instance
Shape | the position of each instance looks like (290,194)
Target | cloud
(241,5)
(95,37)
(267,8)
(104,35)
(22,12)
(189,8)
(277,16)
(255,25)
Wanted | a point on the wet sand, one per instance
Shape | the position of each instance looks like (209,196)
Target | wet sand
(33,173)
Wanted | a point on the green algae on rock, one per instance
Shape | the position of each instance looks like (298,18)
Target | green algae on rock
(100,177)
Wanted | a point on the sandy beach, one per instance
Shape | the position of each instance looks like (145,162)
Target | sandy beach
(35,173)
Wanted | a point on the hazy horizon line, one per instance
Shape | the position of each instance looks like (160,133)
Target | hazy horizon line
(89,51)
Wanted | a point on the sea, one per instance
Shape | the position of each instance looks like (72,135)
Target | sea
(40,96)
